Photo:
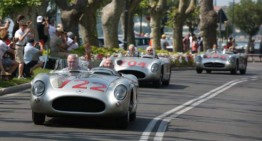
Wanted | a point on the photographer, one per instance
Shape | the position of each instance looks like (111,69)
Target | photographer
(42,29)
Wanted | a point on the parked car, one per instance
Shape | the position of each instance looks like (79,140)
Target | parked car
(100,92)
(218,60)
(142,42)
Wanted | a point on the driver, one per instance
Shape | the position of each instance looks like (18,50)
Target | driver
(132,51)
(72,62)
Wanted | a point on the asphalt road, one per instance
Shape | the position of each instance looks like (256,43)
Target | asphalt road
(196,107)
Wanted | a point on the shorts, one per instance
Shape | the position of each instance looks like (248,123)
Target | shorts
(19,54)
(27,68)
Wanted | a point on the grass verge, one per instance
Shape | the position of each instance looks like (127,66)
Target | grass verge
(15,81)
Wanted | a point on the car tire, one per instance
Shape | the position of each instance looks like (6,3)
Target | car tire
(166,82)
(38,118)
(198,70)
(234,70)
(158,83)
(243,71)
(133,116)
(124,121)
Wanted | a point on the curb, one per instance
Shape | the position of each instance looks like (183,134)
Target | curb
(14,89)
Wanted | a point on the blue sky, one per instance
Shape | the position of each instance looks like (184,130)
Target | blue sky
(224,2)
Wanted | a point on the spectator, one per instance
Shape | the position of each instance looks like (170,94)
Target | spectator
(21,37)
(16,24)
(29,51)
(186,43)
(251,46)
(51,27)
(163,42)
(42,29)
(58,44)
(6,26)
(7,65)
(132,51)
(194,47)
(71,41)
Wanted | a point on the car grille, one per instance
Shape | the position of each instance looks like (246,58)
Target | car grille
(138,74)
(214,65)
(78,104)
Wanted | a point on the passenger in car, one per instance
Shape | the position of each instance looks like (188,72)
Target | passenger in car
(107,63)
(150,51)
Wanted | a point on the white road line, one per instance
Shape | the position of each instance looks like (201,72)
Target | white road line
(163,125)
(145,135)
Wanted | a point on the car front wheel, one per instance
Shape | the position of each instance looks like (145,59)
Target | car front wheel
(38,118)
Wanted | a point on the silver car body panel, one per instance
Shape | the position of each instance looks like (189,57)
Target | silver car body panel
(63,89)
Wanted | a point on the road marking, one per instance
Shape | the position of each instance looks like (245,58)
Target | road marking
(165,117)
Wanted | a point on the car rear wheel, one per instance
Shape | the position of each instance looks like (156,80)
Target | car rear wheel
(38,118)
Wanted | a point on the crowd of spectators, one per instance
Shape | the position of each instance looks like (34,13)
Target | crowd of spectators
(20,54)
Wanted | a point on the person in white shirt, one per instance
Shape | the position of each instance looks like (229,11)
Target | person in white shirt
(30,63)
(7,65)
(21,38)
(71,41)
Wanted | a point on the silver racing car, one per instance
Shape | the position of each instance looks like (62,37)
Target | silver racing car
(146,68)
(100,92)
(218,60)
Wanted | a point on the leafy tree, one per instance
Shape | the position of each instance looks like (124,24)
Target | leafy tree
(10,7)
(247,16)
(180,14)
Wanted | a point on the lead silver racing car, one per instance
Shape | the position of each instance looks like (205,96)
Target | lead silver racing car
(100,92)
(218,60)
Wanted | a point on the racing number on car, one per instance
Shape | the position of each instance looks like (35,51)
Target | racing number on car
(83,85)
(134,63)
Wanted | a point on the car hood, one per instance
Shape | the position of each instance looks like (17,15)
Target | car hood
(82,82)
(134,63)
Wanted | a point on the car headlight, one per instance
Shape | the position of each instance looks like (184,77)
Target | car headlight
(198,59)
(38,88)
(155,68)
(120,92)
(231,59)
